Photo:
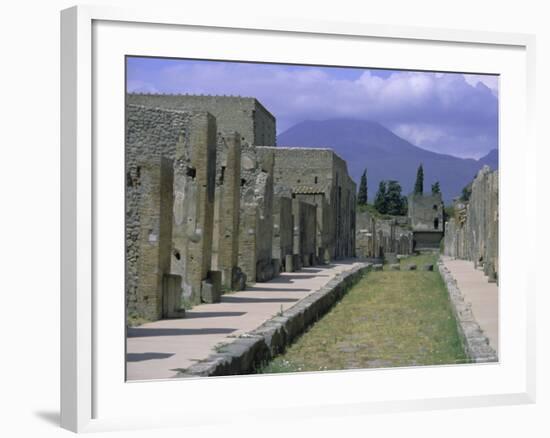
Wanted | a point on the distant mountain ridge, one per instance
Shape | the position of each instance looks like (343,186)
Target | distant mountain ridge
(385,155)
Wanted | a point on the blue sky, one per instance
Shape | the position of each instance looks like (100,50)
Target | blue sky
(449,113)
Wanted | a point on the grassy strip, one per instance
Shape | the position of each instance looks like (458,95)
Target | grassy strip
(389,319)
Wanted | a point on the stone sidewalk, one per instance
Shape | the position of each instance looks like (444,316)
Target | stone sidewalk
(482,295)
(155,349)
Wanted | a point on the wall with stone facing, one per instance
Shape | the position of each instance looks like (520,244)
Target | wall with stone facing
(376,237)
(154,237)
(305,233)
(256,214)
(317,171)
(225,244)
(189,141)
(194,193)
(426,215)
(472,234)
(245,115)
(150,136)
(283,226)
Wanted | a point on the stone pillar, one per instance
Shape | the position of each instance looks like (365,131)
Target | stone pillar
(155,212)
(282,228)
(171,297)
(227,205)
(194,179)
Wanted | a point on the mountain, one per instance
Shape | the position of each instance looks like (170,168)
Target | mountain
(367,144)
(491,159)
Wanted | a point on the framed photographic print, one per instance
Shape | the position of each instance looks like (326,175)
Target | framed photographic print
(326,213)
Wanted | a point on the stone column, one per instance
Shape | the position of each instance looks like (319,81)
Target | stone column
(155,212)
(227,206)
(194,179)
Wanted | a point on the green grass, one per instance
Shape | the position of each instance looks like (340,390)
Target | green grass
(388,319)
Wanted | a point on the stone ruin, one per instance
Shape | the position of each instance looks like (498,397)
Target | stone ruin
(427,222)
(319,177)
(383,237)
(209,210)
(472,234)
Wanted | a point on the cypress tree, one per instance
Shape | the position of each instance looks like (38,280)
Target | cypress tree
(380,201)
(419,184)
(395,204)
(435,188)
(362,195)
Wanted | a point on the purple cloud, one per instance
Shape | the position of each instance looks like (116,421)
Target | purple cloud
(449,113)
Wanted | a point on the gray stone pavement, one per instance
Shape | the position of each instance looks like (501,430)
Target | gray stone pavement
(482,295)
(155,349)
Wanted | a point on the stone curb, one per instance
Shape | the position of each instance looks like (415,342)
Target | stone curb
(250,350)
(475,342)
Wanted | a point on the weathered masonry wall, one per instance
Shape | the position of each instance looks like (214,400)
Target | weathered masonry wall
(305,233)
(426,215)
(473,233)
(154,236)
(376,237)
(194,192)
(245,115)
(283,226)
(315,172)
(225,245)
(256,215)
(151,135)
(169,207)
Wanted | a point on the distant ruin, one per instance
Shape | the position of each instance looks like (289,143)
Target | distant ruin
(472,233)
(377,236)
(426,216)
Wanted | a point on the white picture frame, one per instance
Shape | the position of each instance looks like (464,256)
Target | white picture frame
(85,366)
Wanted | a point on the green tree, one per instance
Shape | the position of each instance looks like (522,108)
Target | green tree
(395,202)
(380,201)
(419,183)
(435,188)
(363,194)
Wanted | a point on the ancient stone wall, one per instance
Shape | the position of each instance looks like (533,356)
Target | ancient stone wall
(194,192)
(376,237)
(426,215)
(256,214)
(311,172)
(225,245)
(153,243)
(150,136)
(472,234)
(188,140)
(245,115)
(305,232)
(282,227)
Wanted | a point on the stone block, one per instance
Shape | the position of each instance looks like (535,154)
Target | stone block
(377,267)
(410,267)
(390,258)
(238,279)
(296,262)
(289,263)
(276,263)
(395,267)
(171,297)
(428,267)
(211,288)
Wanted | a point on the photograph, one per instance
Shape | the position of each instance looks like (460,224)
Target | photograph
(287,218)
